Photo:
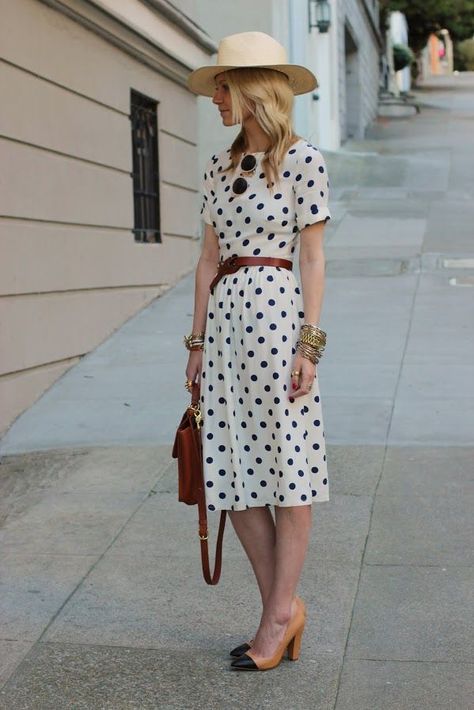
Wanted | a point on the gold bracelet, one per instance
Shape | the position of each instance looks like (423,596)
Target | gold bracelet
(312,344)
(308,352)
(311,340)
(313,336)
(309,348)
(317,350)
(314,329)
(195,341)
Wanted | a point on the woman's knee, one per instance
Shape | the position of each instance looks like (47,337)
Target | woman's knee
(295,514)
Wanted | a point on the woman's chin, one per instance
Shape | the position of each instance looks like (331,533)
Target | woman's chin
(227,120)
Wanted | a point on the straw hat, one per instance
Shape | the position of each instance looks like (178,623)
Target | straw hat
(251,49)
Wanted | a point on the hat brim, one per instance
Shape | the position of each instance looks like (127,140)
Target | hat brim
(201,81)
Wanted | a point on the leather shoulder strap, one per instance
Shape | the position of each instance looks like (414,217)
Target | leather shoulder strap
(203,538)
(203,528)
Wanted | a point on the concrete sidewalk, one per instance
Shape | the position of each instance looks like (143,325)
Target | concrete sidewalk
(102,604)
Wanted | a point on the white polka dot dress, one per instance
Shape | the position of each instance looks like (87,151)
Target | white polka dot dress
(259,448)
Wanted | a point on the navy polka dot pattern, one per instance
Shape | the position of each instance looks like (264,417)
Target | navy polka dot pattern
(259,447)
(299,200)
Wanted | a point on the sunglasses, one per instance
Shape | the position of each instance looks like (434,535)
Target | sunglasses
(248,165)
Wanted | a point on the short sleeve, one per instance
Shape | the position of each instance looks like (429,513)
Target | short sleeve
(311,188)
(208,193)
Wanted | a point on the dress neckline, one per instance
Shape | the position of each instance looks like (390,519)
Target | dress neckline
(262,152)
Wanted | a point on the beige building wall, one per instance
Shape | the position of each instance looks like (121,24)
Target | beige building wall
(70,270)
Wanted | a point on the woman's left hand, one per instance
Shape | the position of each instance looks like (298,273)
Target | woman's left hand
(303,381)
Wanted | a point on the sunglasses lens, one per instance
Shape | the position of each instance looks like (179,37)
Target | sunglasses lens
(248,162)
(239,186)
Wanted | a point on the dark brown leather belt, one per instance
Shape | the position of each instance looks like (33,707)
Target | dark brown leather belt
(233,264)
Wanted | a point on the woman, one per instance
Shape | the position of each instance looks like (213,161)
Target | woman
(255,340)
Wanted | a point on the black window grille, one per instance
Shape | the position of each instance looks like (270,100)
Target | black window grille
(146,196)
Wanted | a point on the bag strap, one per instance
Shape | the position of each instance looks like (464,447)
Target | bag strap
(203,538)
(202,512)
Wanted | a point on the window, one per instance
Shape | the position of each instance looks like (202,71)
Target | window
(145,168)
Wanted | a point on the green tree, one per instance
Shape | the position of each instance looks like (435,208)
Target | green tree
(427,16)
(466,52)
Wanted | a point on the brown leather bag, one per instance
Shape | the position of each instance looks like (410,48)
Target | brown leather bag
(187,449)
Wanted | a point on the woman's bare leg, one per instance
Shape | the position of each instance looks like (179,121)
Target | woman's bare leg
(293,526)
(255,529)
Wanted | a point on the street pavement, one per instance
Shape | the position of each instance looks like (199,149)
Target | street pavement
(102,604)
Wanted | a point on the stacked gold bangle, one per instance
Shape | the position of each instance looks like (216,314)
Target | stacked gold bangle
(195,341)
(312,342)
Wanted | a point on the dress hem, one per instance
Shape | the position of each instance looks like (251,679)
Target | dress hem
(235,509)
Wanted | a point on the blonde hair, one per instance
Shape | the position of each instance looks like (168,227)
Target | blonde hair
(267,94)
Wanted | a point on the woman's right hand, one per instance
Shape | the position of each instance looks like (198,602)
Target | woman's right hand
(194,367)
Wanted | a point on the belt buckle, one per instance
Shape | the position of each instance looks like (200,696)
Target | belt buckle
(230,261)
